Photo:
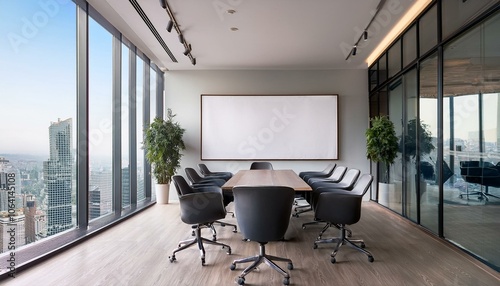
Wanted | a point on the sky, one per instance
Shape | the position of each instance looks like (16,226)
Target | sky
(38,74)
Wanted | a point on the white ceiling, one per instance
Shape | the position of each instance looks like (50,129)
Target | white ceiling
(272,34)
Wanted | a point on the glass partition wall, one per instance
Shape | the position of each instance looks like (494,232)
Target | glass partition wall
(79,165)
(443,97)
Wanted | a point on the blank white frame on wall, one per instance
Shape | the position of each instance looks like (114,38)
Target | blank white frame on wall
(269,127)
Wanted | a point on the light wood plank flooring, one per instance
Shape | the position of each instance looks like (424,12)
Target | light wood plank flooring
(136,252)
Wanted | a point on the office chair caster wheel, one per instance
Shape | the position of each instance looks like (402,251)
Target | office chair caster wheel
(286,281)
(233,266)
(295,215)
(362,245)
(214,238)
(172,258)
(461,196)
(235,230)
(241,281)
(333,260)
(315,246)
(290,266)
(228,250)
(370,259)
(203,262)
(303,227)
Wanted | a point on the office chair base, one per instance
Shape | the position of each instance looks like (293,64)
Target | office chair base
(199,240)
(259,259)
(343,240)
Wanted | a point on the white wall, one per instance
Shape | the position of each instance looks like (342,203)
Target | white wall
(183,90)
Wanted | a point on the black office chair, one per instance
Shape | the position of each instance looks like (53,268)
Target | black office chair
(306,175)
(340,208)
(183,188)
(336,176)
(207,173)
(201,216)
(327,172)
(261,166)
(196,179)
(482,173)
(263,214)
(347,183)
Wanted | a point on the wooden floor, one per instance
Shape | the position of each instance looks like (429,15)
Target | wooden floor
(136,253)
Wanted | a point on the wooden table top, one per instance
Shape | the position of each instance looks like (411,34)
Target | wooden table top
(267,178)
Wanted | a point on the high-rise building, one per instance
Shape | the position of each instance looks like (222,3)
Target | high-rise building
(94,202)
(30,219)
(57,172)
(12,230)
(100,195)
(125,186)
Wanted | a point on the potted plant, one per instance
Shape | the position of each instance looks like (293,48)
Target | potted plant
(382,146)
(163,144)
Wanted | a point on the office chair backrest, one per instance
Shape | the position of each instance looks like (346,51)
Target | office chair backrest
(362,185)
(194,212)
(261,166)
(350,178)
(338,173)
(181,185)
(192,175)
(204,169)
(263,212)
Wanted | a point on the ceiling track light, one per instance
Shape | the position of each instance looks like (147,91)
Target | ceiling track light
(187,50)
(172,23)
(364,35)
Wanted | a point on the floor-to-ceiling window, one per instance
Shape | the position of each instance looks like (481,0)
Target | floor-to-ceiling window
(444,102)
(100,119)
(38,119)
(68,95)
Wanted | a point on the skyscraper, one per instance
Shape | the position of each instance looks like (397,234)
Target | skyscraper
(57,173)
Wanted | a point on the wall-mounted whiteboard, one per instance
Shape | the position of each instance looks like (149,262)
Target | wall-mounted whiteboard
(269,127)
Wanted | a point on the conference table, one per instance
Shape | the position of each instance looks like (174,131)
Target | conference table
(267,178)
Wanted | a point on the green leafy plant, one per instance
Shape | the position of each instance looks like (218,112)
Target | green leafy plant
(420,132)
(382,142)
(163,144)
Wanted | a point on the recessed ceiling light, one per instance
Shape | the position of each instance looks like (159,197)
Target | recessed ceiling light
(234,29)
(231,11)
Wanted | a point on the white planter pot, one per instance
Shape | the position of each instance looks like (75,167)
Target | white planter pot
(384,193)
(162,192)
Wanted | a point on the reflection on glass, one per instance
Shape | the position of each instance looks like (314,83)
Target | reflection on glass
(408,145)
(394,56)
(392,197)
(471,138)
(429,197)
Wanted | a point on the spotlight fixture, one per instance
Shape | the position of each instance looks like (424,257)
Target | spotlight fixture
(163,4)
(187,50)
(181,38)
(364,35)
(193,61)
(170,24)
